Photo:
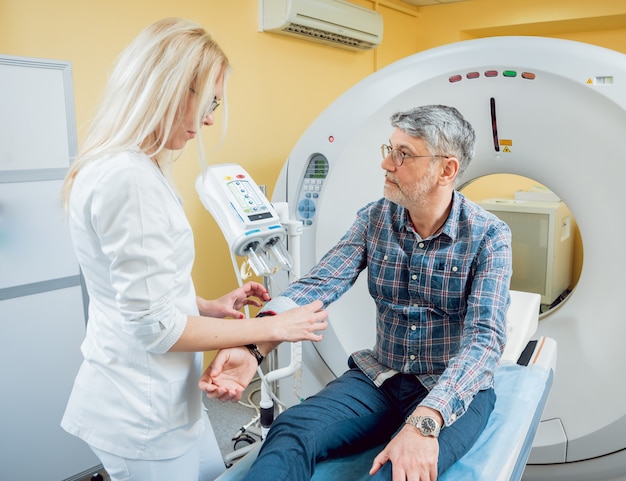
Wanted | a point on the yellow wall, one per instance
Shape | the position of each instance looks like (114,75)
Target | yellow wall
(279,84)
(601,22)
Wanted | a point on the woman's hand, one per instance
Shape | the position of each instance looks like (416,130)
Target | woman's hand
(299,324)
(233,368)
(229,305)
(229,374)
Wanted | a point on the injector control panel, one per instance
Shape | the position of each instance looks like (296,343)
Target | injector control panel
(311,189)
(247,219)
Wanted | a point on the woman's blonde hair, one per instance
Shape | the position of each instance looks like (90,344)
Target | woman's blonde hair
(148,90)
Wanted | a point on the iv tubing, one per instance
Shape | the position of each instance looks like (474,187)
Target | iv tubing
(294,229)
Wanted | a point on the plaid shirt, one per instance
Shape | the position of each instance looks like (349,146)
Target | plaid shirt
(441,302)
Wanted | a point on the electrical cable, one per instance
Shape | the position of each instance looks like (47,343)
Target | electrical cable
(261,374)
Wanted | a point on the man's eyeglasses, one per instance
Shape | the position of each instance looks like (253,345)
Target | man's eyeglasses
(398,156)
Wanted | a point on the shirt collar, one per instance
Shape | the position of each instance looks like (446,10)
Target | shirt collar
(449,227)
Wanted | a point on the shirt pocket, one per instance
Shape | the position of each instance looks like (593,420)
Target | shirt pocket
(448,287)
(178,406)
(388,273)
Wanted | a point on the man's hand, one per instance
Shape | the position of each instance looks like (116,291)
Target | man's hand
(229,374)
(412,455)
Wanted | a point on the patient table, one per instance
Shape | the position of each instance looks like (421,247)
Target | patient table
(522,384)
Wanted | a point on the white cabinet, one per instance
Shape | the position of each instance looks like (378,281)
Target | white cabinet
(42,303)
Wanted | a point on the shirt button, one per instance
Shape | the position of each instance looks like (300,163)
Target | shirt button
(416,305)
(385,258)
(421,245)
(413,327)
(412,357)
(413,277)
(455,268)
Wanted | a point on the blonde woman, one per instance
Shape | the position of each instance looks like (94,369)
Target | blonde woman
(135,400)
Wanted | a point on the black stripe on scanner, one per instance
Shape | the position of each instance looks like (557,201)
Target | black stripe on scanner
(527,353)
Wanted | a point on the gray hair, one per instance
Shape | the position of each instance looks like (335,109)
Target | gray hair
(443,128)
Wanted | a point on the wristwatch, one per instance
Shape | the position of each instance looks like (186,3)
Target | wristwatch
(428,426)
(254,350)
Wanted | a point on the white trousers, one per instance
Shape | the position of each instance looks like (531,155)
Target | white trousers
(203,463)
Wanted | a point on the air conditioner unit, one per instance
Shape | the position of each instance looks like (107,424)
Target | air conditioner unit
(334,22)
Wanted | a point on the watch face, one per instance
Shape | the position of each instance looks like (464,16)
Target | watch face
(429,425)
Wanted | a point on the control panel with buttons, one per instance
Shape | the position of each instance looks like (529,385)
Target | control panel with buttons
(311,189)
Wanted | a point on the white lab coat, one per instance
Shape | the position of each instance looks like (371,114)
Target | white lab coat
(134,244)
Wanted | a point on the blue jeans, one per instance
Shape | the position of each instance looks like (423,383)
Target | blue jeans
(351,415)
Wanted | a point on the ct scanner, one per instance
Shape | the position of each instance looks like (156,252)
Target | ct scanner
(560,108)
